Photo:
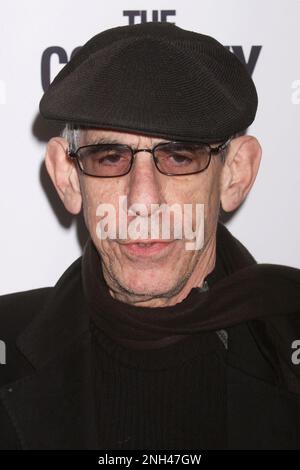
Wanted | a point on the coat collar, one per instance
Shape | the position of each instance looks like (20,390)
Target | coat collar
(62,319)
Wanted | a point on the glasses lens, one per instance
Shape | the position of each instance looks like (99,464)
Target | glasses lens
(105,160)
(179,158)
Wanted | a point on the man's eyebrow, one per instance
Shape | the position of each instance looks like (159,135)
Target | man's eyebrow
(103,140)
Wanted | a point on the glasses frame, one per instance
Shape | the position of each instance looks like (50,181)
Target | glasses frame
(73,155)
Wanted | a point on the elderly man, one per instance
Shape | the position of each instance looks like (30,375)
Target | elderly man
(150,341)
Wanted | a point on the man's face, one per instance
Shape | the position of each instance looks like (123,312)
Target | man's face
(162,269)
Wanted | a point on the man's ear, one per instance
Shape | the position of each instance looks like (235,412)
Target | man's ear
(63,174)
(239,171)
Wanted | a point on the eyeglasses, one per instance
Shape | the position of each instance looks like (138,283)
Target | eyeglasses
(170,158)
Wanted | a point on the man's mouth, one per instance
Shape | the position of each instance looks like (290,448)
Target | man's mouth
(145,244)
(146,248)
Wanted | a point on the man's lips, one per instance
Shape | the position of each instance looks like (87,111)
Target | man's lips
(146,247)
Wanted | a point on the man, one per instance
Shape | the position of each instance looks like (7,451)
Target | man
(147,342)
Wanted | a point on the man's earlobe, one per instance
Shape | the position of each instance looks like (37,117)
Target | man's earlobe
(239,171)
(63,174)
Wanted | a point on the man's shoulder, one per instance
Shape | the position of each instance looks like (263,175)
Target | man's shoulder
(30,296)
(17,309)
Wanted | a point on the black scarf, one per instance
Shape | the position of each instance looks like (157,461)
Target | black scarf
(239,289)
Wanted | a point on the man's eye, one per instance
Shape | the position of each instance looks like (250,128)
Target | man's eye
(110,159)
(180,159)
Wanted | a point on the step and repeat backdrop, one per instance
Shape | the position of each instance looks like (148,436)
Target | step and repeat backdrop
(38,238)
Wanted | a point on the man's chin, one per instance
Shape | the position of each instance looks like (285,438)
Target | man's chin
(143,288)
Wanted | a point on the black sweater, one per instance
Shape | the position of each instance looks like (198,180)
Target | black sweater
(171,397)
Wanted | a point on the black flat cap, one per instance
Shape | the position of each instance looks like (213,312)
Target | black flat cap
(155,79)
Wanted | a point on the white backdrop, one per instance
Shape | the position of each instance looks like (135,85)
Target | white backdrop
(38,239)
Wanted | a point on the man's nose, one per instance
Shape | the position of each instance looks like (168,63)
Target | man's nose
(144,186)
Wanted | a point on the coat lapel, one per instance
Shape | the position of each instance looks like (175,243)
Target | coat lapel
(260,415)
(263,411)
(53,407)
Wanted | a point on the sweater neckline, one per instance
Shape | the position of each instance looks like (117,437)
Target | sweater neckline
(169,356)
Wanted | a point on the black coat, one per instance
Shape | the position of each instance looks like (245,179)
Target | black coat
(46,395)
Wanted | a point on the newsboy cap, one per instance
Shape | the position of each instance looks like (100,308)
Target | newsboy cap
(155,79)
